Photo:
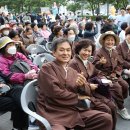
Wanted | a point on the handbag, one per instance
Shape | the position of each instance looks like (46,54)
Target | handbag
(20,66)
(103,88)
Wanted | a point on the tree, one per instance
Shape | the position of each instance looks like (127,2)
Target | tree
(19,5)
(73,7)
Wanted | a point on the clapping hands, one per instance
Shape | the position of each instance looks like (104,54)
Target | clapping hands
(81,80)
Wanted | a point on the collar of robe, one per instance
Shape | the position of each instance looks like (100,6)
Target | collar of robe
(109,50)
(85,62)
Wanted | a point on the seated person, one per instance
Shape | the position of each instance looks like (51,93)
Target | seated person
(36,32)
(108,61)
(14,66)
(10,101)
(59,88)
(124,53)
(80,62)
(58,32)
(14,35)
(44,31)
(4,30)
(27,37)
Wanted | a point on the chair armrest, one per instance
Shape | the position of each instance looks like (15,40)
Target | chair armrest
(39,118)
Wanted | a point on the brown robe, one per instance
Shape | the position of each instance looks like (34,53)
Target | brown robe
(124,53)
(27,41)
(89,72)
(113,70)
(58,98)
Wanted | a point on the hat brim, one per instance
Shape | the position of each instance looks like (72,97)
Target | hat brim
(101,40)
(7,42)
(4,28)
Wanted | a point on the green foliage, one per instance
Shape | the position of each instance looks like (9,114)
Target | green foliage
(30,5)
(93,17)
(73,7)
(23,5)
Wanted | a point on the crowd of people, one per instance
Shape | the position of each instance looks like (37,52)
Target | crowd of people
(85,86)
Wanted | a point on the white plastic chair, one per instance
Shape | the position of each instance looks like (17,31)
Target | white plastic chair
(36,49)
(41,41)
(3,112)
(48,47)
(43,58)
(29,96)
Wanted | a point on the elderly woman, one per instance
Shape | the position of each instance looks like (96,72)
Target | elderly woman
(83,51)
(124,53)
(4,30)
(107,60)
(14,35)
(58,32)
(14,66)
(58,99)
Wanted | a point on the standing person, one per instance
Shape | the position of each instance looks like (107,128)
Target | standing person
(128,14)
(81,29)
(121,19)
(54,9)
(124,25)
(2,21)
(90,31)
(80,62)
(107,60)
(58,100)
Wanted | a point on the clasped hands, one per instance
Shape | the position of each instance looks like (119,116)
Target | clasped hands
(31,74)
(81,80)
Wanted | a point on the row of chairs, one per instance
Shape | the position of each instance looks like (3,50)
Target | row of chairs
(40,54)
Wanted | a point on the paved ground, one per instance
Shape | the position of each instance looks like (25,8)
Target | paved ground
(6,124)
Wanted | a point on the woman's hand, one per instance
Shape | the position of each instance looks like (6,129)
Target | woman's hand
(31,74)
(93,86)
(80,97)
(102,60)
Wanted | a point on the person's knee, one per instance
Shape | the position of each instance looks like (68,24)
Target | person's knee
(58,127)
(112,105)
(107,118)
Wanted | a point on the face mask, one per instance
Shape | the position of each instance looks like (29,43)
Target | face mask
(12,50)
(71,38)
(14,28)
(29,36)
(6,32)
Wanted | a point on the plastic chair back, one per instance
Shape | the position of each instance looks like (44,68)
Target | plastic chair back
(28,102)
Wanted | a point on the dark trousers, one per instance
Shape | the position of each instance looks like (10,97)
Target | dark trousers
(11,102)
